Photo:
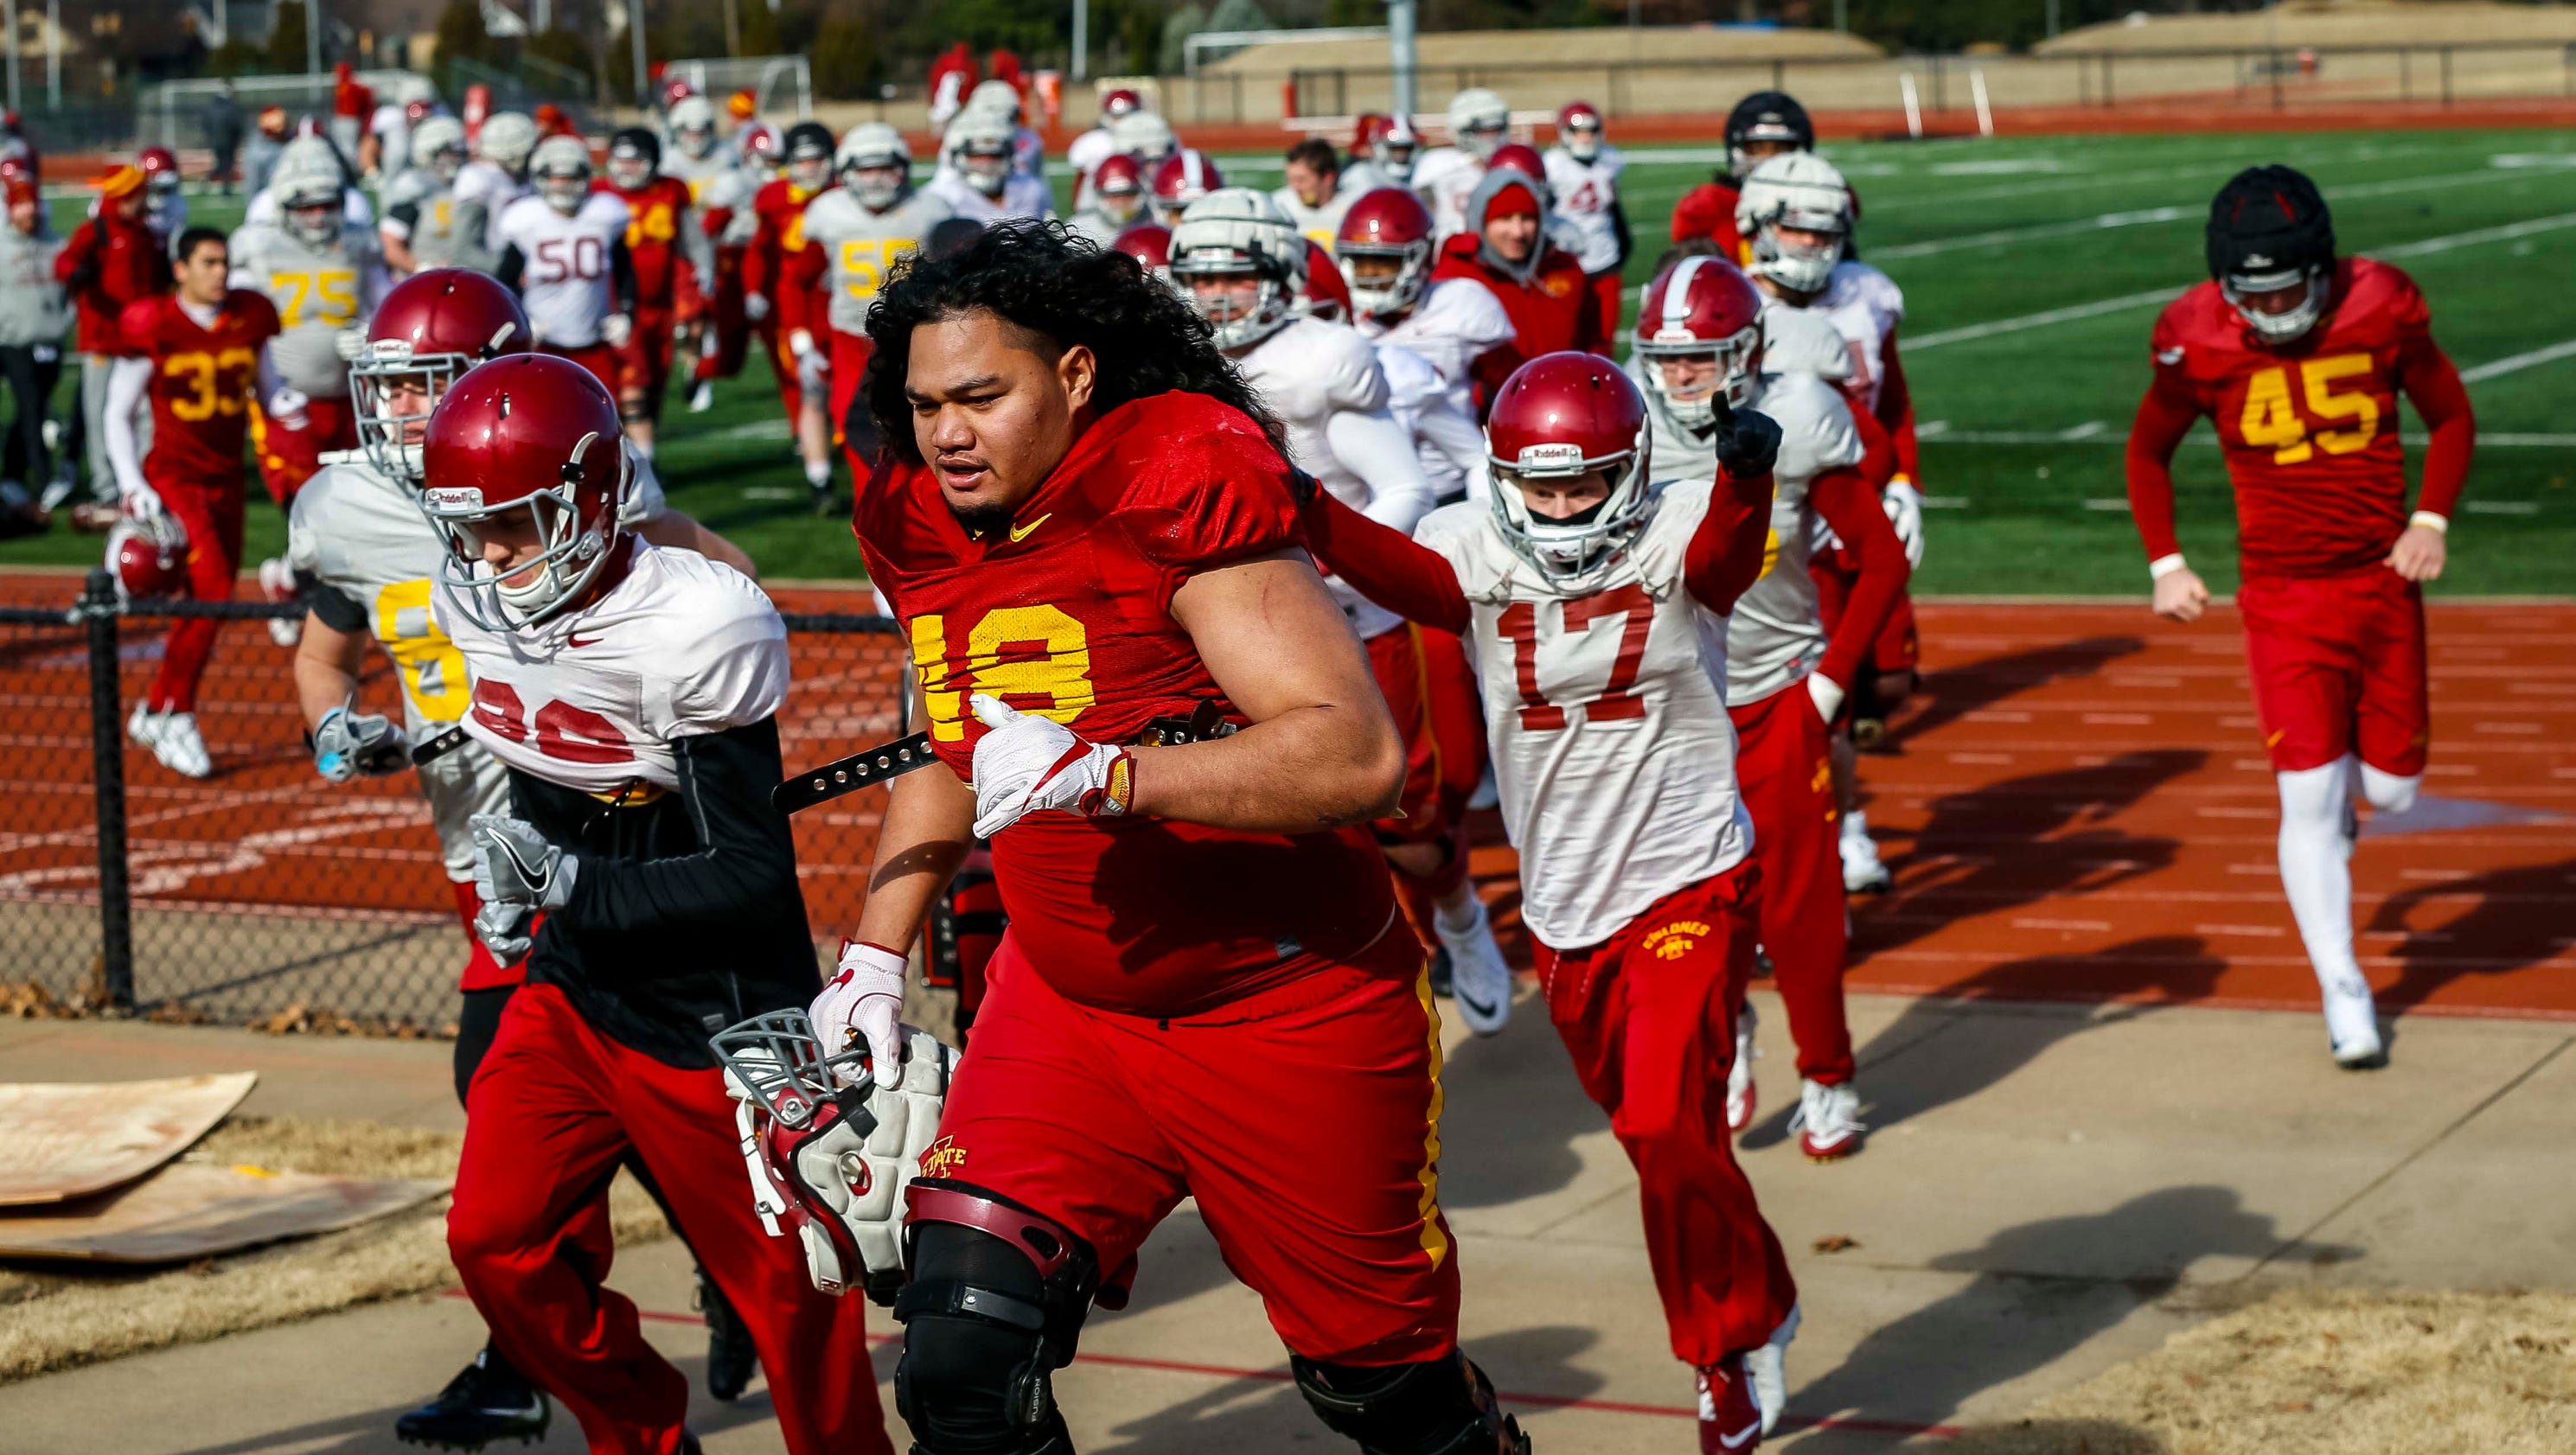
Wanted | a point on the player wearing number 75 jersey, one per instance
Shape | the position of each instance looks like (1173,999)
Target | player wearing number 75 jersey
(2298,357)
(854,234)
(1580,585)
(324,274)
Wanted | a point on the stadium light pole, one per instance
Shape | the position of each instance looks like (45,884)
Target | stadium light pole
(1081,38)
(635,48)
(313,37)
(1399,45)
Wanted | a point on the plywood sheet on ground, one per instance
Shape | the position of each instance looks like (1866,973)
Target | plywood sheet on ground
(195,1210)
(70,1139)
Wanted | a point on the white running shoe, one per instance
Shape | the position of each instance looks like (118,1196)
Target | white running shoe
(704,398)
(143,725)
(2352,1025)
(277,583)
(1740,1093)
(1479,982)
(1862,871)
(180,748)
(1767,1370)
(1827,1121)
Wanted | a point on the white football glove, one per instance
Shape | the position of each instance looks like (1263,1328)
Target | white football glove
(138,500)
(862,998)
(616,329)
(516,873)
(287,406)
(1028,763)
(755,307)
(1904,506)
(350,344)
(1826,694)
(347,744)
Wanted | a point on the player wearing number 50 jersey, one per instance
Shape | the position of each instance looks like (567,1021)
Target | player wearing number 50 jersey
(1580,585)
(564,250)
(854,234)
(2298,357)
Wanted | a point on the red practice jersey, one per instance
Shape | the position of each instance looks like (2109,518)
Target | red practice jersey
(202,382)
(1068,614)
(1708,211)
(655,213)
(780,207)
(2310,430)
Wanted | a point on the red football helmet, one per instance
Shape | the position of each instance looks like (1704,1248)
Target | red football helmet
(1578,130)
(1386,223)
(148,558)
(1520,158)
(1150,244)
(160,167)
(431,328)
(1365,132)
(1695,308)
(532,433)
(758,141)
(1184,177)
(1118,188)
(1324,294)
(674,90)
(1558,418)
(1119,103)
(416,112)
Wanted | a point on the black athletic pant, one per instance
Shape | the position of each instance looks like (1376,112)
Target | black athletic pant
(31,393)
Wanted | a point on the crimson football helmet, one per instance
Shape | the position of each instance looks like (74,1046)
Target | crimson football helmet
(1365,131)
(1150,244)
(1118,103)
(1521,158)
(1118,188)
(1183,178)
(416,111)
(1578,130)
(1697,307)
(674,90)
(1386,222)
(1396,147)
(160,168)
(148,558)
(535,437)
(1324,294)
(758,141)
(431,327)
(1558,417)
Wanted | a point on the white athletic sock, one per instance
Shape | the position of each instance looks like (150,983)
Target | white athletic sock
(2387,792)
(818,473)
(1459,912)
(2315,804)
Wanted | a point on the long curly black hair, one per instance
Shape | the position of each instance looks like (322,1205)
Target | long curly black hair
(1050,280)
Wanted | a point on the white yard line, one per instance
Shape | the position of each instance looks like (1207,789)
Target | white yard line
(2516,363)
(2198,438)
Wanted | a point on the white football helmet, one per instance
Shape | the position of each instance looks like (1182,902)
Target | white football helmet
(1231,232)
(693,125)
(308,193)
(439,144)
(978,148)
(872,146)
(995,98)
(1146,136)
(506,140)
(561,170)
(1395,149)
(1479,121)
(1803,191)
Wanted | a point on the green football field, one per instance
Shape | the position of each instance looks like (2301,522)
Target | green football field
(2032,269)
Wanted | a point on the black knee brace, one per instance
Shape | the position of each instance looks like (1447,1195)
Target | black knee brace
(994,1307)
(1440,1406)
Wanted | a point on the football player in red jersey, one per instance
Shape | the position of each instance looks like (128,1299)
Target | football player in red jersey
(197,356)
(780,208)
(674,272)
(2298,357)
(632,693)
(1086,527)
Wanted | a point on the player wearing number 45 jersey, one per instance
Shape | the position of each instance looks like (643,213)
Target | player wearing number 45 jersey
(2298,357)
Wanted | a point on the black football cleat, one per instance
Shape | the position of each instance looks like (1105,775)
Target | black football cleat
(487,1401)
(1440,976)
(731,1357)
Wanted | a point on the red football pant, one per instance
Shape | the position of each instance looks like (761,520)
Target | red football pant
(482,971)
(644,363)
(1602,292)
(599,359)
(1305,1119)
(1835,572)
(212,515)
(552,1110)
(733,330)
(2338,667)
(1782,771)
(849,365)
(289,457)
(1649,1018)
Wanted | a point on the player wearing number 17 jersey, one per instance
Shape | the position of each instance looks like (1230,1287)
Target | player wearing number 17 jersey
(2298,357)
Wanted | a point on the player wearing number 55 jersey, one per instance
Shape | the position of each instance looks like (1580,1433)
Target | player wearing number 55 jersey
(1085,527)
(854,234)
(2298,357)
(631,692)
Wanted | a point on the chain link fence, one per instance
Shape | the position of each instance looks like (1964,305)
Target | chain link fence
(264,894)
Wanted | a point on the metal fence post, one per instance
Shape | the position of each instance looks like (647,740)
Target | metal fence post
(107,771)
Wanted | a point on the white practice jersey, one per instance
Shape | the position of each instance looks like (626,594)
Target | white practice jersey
(860,247)
(1446,177)
(1776,636)
(1086,154)
(1095,225)
(1363,176)
(486,185)
(1865,306)
(362,537)
(714,180)
(1319,224)
(320,292)
(680,647)
(1611,743)
(1023,197)
(1456,322)
(1323,382)
(1445,437)
(1585,193)
(441,229)
(1803,341)
(564,280)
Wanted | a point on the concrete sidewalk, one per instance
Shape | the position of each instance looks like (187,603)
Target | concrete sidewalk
(2048,1190)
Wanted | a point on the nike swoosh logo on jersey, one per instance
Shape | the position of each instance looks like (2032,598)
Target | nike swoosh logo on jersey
(1021,532)
(576,641)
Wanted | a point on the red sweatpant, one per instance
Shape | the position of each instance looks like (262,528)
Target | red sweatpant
(849,365)
(552,1110)
(1787,783)
(212,514)
(289,457)
(733,331)
(2337,664)
(1899,647)
(644,361)
(1649,1018)
(1305,1119)
(599,359)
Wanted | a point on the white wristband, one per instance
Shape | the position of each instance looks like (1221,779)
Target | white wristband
(2440,523)
(2163,566)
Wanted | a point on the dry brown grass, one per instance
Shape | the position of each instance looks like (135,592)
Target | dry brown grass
(58,1319)
(2328,1372)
